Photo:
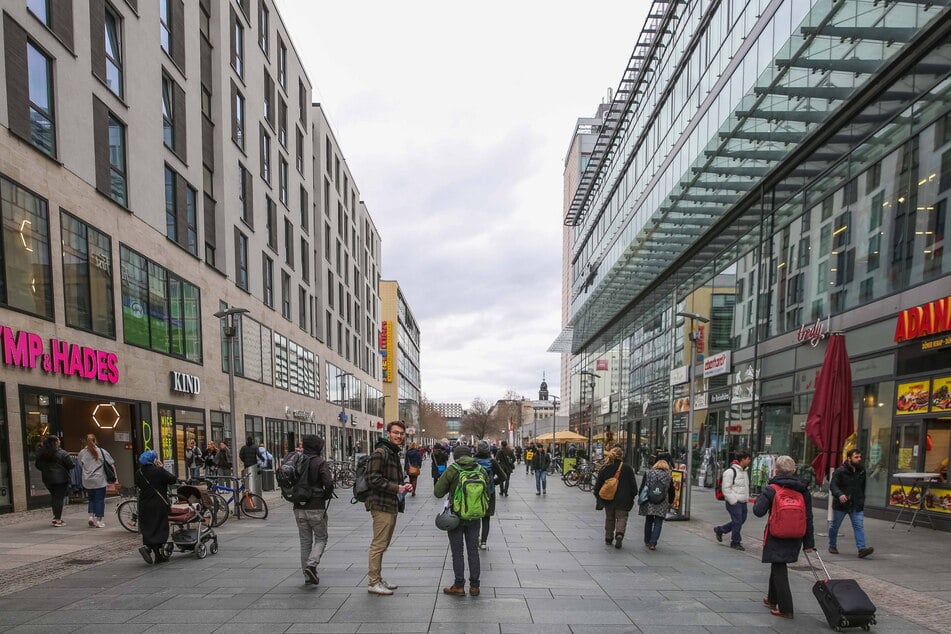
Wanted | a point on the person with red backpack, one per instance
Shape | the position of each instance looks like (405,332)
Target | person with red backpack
(735,485)
(788,530)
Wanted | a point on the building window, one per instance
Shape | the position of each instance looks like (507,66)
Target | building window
(245,195)
(268,281)
(165,28)
(281,122)
(271,224)
(113,43)
(181,215)
(282,64)
(288,243)
(300,151)
(168,112)
(302,101)
(238,117)
(117,165)
(241,260)
(282,177)
(41,9)
(286,295)
(26,282)
(330,289)
(304,210)
(160,311)
(264,28)
(42,120)
(327,242)
(268,98)
(304,260)
(302,308)
(237,46)
(874,246)
(87,277)
(265,156)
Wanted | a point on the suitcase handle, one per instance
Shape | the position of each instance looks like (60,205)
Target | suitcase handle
(821,563)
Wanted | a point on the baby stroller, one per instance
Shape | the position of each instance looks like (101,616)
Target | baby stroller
(190,523)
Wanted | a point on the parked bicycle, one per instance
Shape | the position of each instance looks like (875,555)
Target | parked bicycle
(127,511)
(343,472)
(251,504)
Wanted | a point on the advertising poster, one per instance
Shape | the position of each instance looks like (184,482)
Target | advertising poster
(912,398)
(166,421)
(905,457)
(568,464)
(941,394)
(678,478)
(936,500)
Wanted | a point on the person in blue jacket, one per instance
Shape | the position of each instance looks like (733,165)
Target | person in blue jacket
(484,457)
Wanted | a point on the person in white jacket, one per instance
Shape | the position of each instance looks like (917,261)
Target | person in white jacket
(736,493)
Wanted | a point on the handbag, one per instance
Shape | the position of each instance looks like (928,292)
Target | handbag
(413,470)
(609,489)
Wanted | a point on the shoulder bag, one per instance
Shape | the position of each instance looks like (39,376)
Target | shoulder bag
(609,489)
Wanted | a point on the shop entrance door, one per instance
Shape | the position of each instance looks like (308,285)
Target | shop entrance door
(906,446)
(184,434)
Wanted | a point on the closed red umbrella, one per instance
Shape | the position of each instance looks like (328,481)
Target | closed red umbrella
(830,419)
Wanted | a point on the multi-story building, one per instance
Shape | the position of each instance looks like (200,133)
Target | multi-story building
(161,162)
(775,165)
(452,412)
(399,349)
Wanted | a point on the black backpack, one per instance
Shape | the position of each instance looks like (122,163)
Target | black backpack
(293,478)
(361,487)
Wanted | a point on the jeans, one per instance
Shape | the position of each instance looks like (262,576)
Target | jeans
(779,593)
(97,502)
(468,531)
(615,521)
(383,526)
(312,529)
(652,526)
(738,514)
(504,487)
(541,481)
(59,492)
(858,527)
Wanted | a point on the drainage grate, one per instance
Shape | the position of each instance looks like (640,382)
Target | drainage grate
(81,562)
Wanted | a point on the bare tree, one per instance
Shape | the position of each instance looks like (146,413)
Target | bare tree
(476,420)
(431,420)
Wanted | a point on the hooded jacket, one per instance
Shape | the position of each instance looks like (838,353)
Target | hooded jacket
(384,475)
(736,484)
(449,480)
(319,477)
(776,549)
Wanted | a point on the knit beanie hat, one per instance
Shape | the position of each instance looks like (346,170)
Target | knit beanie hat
(460,451)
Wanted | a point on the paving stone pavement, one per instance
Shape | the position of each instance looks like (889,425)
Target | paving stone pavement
(547,570)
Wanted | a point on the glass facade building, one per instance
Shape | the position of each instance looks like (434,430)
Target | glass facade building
(781,168)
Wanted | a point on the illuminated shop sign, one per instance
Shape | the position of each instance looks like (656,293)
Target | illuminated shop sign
(717,364)
(185,383)
(386,350)
(814,333)
(22,349)
(921,321)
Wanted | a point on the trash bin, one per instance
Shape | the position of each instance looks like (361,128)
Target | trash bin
(267,479)
(253,474)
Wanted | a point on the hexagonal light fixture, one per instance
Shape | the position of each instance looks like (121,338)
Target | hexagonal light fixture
(108,413)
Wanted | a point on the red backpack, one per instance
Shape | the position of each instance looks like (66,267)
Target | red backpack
(787,517)
(718,487)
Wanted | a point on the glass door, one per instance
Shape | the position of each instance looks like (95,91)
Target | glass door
(38,423)
(185,433)
(906,446)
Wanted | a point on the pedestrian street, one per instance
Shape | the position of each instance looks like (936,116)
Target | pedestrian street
(546,569)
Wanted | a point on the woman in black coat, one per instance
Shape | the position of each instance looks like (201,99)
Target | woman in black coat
(153,480)
(616,510)
(778,551)
(55,465)
(440,459)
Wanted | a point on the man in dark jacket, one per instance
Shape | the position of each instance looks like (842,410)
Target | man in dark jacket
(440,460)
(223,459)
(506,461)
(249,453)
(540,463)
(779,551)
(385,478)
(311,516)
(848,498)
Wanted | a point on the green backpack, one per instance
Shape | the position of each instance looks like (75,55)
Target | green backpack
(470,499)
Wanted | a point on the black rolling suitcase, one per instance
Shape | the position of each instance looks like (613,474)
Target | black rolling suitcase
(843,601)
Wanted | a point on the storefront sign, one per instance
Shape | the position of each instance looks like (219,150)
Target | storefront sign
(22,349)
(185,383)
(166,424)
(601,365)
(941,394)
(386,350)
(717,364)
(929,319)
(936,500)
(744,384)
(700,401)
(681,405)
(701,332)
(719,397)
(299,414)
(813,334)
(678,376)
(912,398)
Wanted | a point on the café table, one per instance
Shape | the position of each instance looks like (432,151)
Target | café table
(912,484)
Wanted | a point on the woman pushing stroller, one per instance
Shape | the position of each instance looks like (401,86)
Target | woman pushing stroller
(152,480)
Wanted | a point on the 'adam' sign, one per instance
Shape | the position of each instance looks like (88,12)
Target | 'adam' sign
(929,319)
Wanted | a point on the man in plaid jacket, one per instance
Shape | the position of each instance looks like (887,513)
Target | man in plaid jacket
(385,478)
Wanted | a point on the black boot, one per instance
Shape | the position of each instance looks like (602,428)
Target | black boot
(618,538)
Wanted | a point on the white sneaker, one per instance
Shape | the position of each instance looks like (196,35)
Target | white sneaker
(100,524)
(379,588)
(482,546)
(389,586)
(92,522)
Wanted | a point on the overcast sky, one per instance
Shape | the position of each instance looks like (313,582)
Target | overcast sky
(455,119)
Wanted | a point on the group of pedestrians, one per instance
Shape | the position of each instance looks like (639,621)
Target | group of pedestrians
(98,471)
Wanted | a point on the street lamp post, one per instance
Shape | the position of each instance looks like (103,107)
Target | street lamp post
(688,476)
(230,331)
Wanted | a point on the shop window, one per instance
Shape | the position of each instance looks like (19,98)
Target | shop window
(26,283)
(160,311)
(938,447)
(87,277)
(254,428)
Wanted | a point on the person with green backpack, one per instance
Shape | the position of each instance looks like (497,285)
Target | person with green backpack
(467,485)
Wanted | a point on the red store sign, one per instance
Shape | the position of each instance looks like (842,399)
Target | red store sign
(22,349)
(921,321)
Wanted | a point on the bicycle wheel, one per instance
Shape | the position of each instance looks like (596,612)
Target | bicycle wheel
(571,478)
(219,509)
(586,482)
(128,514)
(254,506)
